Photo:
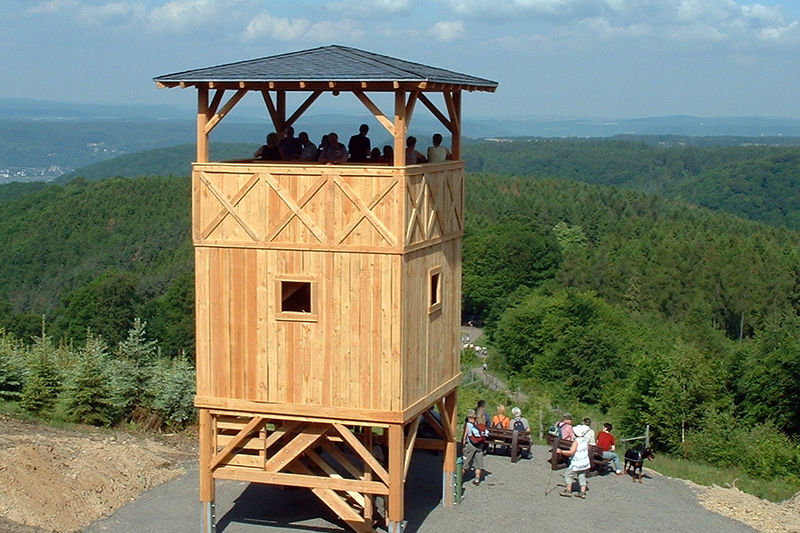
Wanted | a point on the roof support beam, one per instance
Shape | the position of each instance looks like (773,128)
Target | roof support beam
(379,115)
(438,114)
(303,108)
(211,124)
(214,105)
(273,113)
(412,101)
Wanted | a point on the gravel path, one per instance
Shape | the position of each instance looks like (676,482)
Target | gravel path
(512,499)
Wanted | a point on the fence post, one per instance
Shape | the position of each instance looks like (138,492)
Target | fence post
(459,473)
(647,436)
(541,428)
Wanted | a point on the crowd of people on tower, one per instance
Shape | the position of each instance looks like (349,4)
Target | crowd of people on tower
(358,150)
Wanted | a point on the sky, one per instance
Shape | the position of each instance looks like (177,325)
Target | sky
(612,59)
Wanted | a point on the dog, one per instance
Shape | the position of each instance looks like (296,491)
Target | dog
(634,460)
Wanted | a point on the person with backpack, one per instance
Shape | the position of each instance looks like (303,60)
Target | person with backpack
(482,415)
(564,428)
(500,420)
(472,446)
(519,422)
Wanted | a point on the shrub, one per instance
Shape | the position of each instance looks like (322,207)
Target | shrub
(172,388)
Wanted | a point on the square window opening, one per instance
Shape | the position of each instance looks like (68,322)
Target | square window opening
(296,297)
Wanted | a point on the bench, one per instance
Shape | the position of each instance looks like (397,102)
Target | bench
(598,465)
(510,441)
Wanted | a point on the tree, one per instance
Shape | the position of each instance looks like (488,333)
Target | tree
(43,382)
(12,367)
(769,385)
(569,338)
(501,257)
(688,387)
(87,394)
(107,306)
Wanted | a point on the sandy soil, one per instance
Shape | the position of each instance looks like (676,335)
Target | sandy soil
(56,480)
(61,480)
(757,513)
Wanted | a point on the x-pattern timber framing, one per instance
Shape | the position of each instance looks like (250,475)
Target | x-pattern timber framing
(434,205)
(337,460)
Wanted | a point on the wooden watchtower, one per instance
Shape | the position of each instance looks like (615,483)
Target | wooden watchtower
(327,296)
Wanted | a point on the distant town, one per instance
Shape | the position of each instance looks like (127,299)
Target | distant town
(12,174)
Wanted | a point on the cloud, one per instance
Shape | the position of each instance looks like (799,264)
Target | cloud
(371,8)
(180,14)
(447,30)
(603,28)
(696,32)
(112,13)
(282,29)
(53,6)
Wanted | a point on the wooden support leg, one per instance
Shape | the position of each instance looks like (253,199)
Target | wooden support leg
(395,509)
(369,502)
(207,484)
(450,451)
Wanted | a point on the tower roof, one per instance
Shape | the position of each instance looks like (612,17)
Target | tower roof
(328,68)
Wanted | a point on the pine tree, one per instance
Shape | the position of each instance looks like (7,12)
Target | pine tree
(86,397)
(12,367)
(43,383)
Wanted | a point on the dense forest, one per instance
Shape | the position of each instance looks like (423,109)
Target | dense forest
(647,308)
(758,182)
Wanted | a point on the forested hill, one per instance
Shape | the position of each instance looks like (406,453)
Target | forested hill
(175,161)
(758,182)
(60,239)
(97,254)
(753,181)
(651,309)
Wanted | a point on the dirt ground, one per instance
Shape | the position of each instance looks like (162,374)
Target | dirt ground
(61,480)
(56,480)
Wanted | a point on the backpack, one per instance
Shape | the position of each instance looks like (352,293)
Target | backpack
(477,441)
(518,425)
(500,421)
(560,430)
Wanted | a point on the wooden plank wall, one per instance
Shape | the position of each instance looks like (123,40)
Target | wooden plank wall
(366,240)
(349,356)
(431,353)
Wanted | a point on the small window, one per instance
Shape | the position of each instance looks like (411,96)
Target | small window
(297,299)
(435,289)
(295,296)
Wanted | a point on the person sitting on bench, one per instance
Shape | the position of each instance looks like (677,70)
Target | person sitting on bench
(519,422)
(608,443)
(500,420)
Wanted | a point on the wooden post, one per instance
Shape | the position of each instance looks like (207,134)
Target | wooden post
(400,128)
(450,453)
(369,499)
(207,484)
(280,128)
(202,120)
(395,508)
(456,121)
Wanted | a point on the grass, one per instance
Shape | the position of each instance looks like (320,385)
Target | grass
(776,490)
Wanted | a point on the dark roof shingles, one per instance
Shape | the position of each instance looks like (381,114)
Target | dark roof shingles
(329,63)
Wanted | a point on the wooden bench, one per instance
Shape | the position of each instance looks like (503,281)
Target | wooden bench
(598,465)
(510,441)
